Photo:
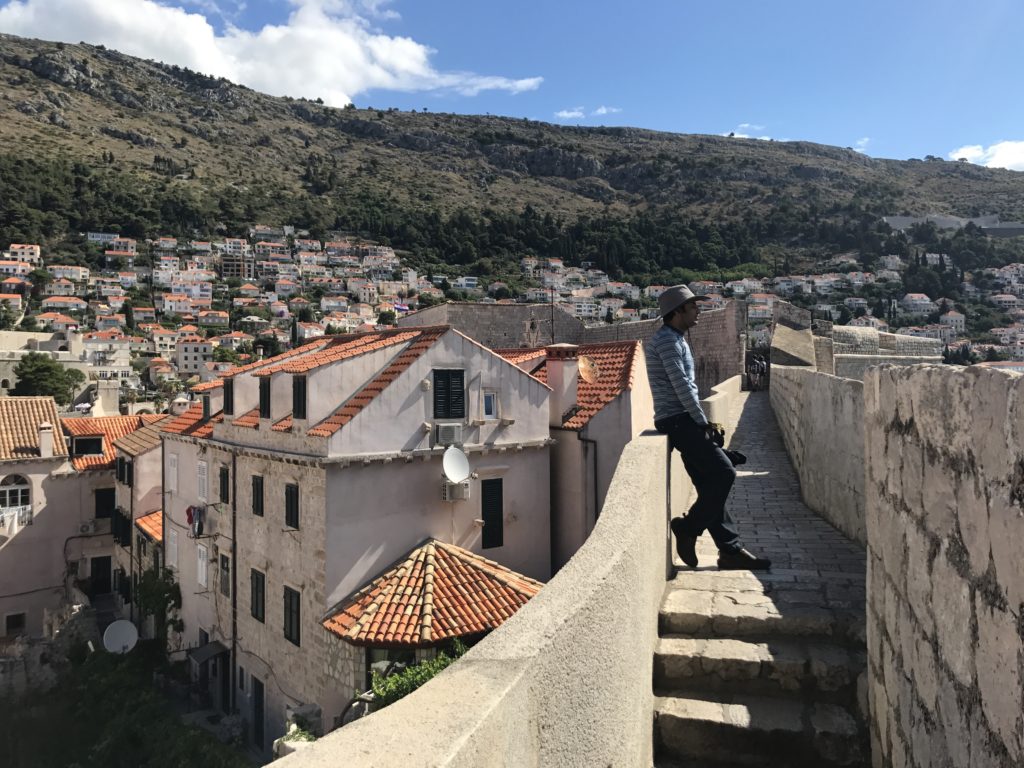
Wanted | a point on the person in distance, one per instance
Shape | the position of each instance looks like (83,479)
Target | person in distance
(677,413)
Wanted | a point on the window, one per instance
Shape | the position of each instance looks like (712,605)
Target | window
(172,548)
(124,471)
(14,624)
(229,397)
(202,480)
(201,556)
(298,397)
(291,505)
(14,492)
(490,405)
(257,594)
(88,446)
(105,503)
(225,495)
(257,495)
(449,394)
(265,397)
(225,576)
(241,678)
(492,514)
(291,615)
(172,472)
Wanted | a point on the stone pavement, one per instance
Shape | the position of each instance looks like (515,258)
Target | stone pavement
(764,669)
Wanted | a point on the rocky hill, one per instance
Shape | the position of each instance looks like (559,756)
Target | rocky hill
(139,145)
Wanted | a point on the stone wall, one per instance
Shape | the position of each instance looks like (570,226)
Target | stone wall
(945,520)
(522,696)
(855,366)
(791,315)
(821,418)
(824,360)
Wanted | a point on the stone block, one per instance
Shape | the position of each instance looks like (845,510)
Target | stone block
(1006,532)
(999,680)
(938,499)
(951,600)
(955,724)
(972,516)
(919,578)
(913,479)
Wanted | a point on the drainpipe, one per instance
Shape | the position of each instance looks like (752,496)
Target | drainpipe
(593,449)
(234,582)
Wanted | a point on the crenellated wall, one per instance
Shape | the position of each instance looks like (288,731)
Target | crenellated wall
(821,418)
(945,522)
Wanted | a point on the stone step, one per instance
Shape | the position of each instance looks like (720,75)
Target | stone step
(823,671)
(760,731)
(752,614)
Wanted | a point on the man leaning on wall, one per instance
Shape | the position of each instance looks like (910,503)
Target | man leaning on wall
(678,414)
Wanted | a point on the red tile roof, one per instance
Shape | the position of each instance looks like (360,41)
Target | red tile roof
(340,348)
(191,422)
(437,592)
(284,425)
(615,363)
(152,525)
(20,418)
(250,419)
(207,386)
(425,338)
(110,428)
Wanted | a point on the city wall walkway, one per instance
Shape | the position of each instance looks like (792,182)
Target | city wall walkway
(764,668)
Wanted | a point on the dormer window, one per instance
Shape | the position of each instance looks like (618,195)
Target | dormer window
(88,446)
(229,397)
(298,397)
(265,397)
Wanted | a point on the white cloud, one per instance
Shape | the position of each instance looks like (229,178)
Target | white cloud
(1002,154)
(570,114)
(750,127)
(747,131)
(603,110)
(861,145)
(326,49)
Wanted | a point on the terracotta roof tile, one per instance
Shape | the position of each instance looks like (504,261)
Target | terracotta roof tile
(615,365)
(141,440)
(437,592)
(424,339)
(340,348)
(20,418)
(110,428)
(191,422)
(313,345)
(152,525)
(284,425)
(250,419)
(208,386)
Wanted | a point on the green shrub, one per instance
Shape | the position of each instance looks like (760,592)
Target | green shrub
(388,690)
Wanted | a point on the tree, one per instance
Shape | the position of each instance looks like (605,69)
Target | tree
(387,317)
(8,316)
(40,375)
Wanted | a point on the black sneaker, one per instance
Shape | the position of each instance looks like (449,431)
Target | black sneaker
(686,546)
(742,560)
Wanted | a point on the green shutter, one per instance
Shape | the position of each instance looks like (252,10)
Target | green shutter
(492,513)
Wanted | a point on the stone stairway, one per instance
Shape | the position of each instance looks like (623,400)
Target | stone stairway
(764,669)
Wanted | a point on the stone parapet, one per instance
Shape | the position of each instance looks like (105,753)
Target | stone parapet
(855,366)
(528,693)
(821,418)
(945,518)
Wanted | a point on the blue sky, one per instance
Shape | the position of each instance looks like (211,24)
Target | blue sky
(896,79)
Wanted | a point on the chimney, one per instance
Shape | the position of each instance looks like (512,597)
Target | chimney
(45,440)
(563,377)
(179,405)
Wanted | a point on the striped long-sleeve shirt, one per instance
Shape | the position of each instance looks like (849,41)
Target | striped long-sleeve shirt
(672,375)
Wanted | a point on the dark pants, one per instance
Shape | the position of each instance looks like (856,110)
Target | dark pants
(712,474)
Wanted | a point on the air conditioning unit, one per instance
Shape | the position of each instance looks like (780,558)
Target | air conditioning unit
(454,491)
(448,434)
(87,527)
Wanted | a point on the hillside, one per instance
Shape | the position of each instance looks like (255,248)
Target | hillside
(147,148)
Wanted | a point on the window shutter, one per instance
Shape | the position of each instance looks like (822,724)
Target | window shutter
(299,397)
(172,472)
(492,513)
(257,495)
(201,564)
(229,397)
(225,479)
(172,548)
(129,473)
(291,506)
(202,480)
(265,397)
(442,386)
(457,396)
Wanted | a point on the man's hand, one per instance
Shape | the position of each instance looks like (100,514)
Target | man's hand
(715,432)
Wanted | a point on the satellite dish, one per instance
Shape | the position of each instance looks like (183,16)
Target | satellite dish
(120,637)
(455,465)
(589,371)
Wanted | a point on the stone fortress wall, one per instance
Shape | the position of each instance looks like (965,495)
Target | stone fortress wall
(928,462)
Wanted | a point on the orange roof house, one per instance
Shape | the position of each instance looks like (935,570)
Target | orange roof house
(436,593)
(108,429)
